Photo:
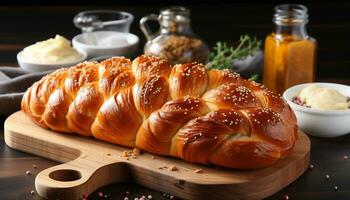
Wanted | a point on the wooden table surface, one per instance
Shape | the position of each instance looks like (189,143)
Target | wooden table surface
(329,24)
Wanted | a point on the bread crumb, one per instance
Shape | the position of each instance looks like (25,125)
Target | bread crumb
(198,171)
(108,154)
(136,152)
(173,168)
(153,157)
(125,154)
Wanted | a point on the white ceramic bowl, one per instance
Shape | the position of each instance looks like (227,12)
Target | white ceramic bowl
(87,42)
(38,67)
(320,123)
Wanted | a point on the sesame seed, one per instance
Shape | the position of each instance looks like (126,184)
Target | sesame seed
(173,168)
(327,176)
(311,167)
(335,188)
(198,171)
(100,194)
(285,197)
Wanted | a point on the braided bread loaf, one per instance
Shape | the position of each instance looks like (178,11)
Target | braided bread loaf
(209,117)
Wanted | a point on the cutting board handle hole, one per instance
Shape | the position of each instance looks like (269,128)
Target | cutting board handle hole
(65,175)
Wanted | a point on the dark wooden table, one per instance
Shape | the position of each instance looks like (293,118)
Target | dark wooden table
(329,24)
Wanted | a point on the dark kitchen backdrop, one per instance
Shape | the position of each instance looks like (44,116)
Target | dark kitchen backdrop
(214,21)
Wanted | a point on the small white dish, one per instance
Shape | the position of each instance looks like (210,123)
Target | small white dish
(320,123)
(106,43)
(39,67)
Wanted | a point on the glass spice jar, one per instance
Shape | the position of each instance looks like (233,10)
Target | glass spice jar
(175,41)
(290,53)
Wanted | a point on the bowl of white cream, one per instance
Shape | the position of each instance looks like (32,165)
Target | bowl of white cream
(106,43)
(322,109)
(50,54)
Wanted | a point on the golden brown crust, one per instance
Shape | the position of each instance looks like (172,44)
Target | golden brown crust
(221,77)
(245,154)
(118,120)
(156,133)
(56,109)
(210,117)
(188,79)
(144,66)
(115,74)
(82,112)
(199,138)
(150,93)
(231,95)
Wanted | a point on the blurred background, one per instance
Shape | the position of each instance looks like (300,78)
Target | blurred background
(214,21)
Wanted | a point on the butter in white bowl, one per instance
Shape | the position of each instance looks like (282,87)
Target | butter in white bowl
(321,108)
(324,98)
(52,51)
(50,54)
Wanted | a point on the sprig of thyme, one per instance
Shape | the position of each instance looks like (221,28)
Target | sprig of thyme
(224,55)
(254,77)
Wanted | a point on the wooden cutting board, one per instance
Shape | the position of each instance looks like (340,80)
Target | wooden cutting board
(89,164)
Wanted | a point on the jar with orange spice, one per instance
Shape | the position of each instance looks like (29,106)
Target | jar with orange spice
(290,53)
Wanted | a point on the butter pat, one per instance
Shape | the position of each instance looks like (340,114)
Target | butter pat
(323,98)
(52,51)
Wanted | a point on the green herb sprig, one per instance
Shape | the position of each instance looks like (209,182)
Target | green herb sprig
(254,77)
(224,55)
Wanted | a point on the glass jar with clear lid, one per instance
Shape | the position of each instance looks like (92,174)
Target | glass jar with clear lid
(290,53)
(175,41)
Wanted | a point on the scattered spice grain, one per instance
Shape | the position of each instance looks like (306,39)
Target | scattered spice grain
(285,197)
(173,168)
